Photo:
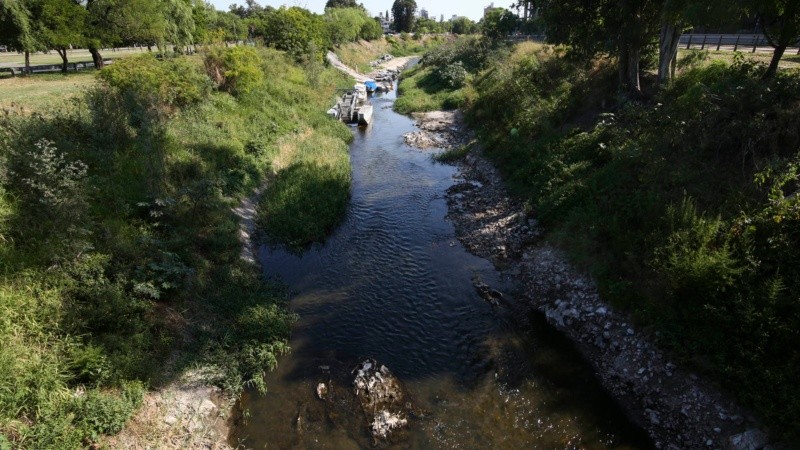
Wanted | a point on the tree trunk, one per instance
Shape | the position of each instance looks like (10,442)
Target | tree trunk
(62,52)
(668,50)
(27,63)
(634,56)
(622,66)
(96,57)
(776,58)
(673,67)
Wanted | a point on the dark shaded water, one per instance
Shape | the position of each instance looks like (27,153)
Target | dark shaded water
(394,284)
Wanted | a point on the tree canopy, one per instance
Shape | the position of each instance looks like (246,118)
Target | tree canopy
(404,12)
(342,4)
(499,22)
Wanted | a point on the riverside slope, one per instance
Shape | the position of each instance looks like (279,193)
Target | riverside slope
(677,408)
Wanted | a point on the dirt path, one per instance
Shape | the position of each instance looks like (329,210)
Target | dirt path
(677,408)
(392,64)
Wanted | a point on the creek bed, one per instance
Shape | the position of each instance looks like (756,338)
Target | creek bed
(394,284)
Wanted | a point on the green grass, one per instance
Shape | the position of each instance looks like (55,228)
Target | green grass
(453,154)
(789,60)
(123,270)
(42,92)
(74,56)
(421,91)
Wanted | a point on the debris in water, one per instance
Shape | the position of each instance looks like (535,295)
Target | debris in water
(381,398)
(322,391)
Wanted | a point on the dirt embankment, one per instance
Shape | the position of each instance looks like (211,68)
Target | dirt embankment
(678,409)
(392,64)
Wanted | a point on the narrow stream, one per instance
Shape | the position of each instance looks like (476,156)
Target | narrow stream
(394,284)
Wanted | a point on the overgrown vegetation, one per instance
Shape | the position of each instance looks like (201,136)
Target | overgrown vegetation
(118,246)
(360,54)
(684,206)
(442,79)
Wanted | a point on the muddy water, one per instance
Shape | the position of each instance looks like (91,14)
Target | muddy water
(393,283)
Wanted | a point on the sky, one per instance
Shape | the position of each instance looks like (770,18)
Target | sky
(470,8)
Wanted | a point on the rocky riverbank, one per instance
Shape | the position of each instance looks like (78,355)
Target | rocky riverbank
(678,409)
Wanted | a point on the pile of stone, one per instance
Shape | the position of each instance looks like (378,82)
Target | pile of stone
(381,60)
(381,398)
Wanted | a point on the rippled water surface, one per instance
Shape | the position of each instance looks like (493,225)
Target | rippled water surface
(393,283)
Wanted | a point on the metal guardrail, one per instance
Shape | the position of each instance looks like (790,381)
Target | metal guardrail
(735,42)
(48,68)
(719,42)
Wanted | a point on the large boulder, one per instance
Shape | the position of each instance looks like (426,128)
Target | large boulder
(381,398)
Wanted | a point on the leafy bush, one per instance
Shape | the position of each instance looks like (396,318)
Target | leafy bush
(235,70)
(305,203)
(473,53)
(107,412)
(453,75)
(150,86)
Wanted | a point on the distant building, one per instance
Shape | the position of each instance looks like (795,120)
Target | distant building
(386,22)
(423,14)
(488,8)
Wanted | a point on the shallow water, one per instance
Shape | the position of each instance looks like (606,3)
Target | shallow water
(394,284)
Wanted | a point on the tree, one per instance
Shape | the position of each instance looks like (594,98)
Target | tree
(292,30)
(463,25)
(499,22)
(619,27)
(404,12)
(341,4)
(344,24)
(250,9)
(59,24)
(677,15)
(16,29)
(181,27)
(113,22)
(780,21)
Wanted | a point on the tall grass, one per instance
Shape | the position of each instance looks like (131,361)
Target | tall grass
(120,251)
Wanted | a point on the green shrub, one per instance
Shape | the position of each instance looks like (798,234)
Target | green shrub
(453,75)
(236,70)
(305,203)
(147,84)
(107,412)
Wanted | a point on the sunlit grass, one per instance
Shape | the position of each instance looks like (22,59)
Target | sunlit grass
(40,92)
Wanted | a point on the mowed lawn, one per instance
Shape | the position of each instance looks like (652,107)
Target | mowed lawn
(41,92)
(78,55)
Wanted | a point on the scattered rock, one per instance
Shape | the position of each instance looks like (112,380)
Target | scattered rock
(678,411)
(438,129)
(752,439)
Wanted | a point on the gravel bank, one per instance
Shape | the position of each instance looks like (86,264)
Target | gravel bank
(677,408)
